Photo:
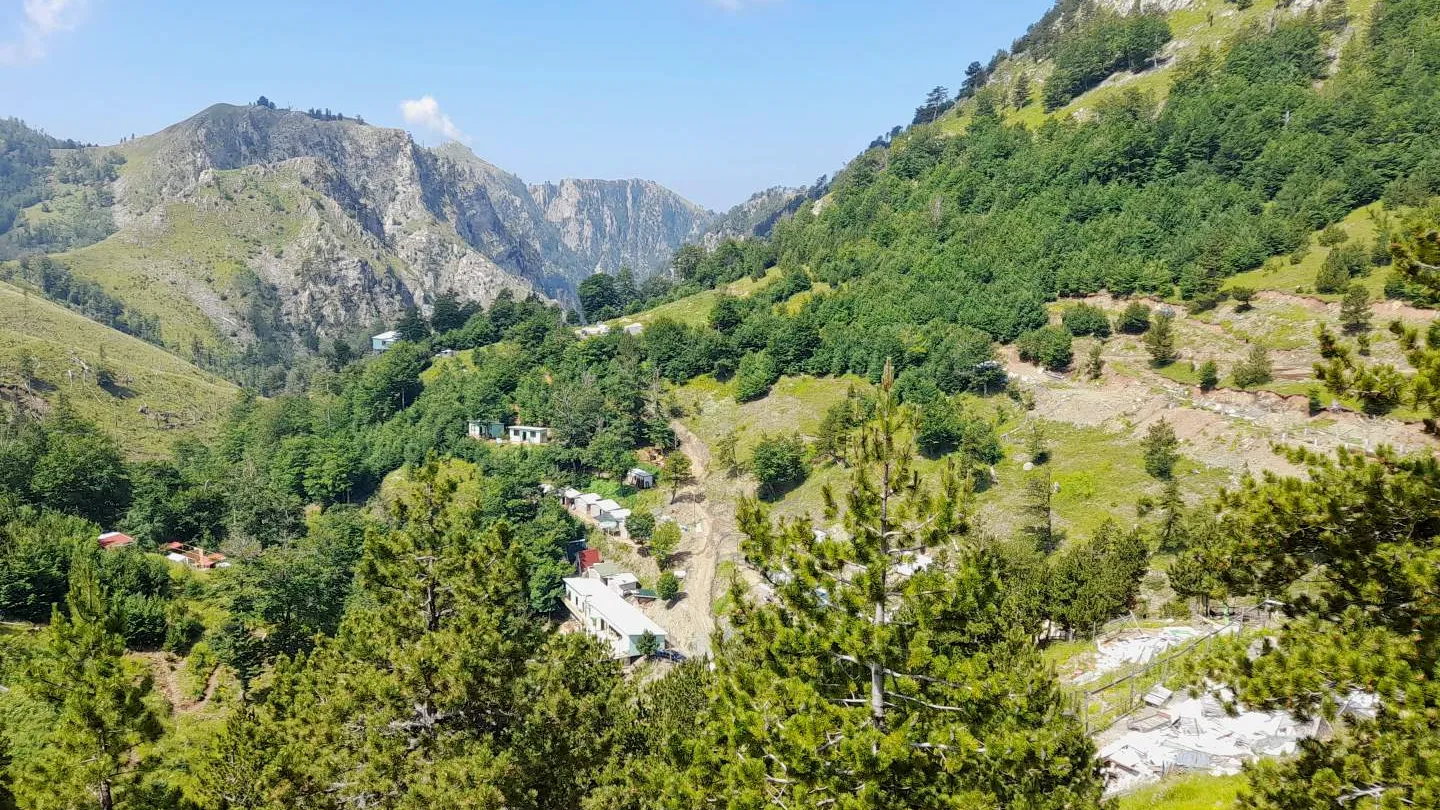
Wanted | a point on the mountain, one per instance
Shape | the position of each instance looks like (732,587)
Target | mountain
(242,224)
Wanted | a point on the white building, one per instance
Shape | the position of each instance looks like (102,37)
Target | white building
(383,341)
(526,434)
(634,329)
(598,330)
(608,617)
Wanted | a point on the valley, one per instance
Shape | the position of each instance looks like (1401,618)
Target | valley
(1072,447)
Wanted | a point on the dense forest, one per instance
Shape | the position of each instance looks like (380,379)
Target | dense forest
(389,614)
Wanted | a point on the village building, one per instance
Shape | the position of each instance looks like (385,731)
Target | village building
(597,330)
(526,434)
(569,496)
(114,540)
(194,557)
(384,340)
(640,478)
(608,617)
(482,430)
(634,329)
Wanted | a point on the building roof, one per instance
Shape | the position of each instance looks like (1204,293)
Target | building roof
(619,614)
(391,335)
(606,569)
(619,514)
(589,557)
(641,472)
(115,540)
(608,505)
(571,493)
(589,498)
(623,579)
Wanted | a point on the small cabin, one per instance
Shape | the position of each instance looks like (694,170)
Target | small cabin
(384,340)
(482,430)
(114,540)
(526,434)
(634,329)
(597,330)
(640,478)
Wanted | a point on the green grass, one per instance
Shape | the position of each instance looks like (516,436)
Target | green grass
(150,377)
(1101,475)
(1280,275)
(1191,792)
(1194,29)
(694,310)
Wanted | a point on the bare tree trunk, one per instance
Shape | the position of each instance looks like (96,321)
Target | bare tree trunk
(107,802)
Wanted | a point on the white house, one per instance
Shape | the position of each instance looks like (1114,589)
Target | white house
(526,434)
(598,330)
(384,340)
(608,617)
(634,329)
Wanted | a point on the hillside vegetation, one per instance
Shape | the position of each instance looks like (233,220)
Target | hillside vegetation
(143,396)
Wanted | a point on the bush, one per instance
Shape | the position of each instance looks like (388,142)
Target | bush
(1084,319)
(1135,320)
(668,586)
(1047,346)
(779,463)
(757,373)
(1255,369)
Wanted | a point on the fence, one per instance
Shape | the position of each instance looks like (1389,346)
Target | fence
(1118,698)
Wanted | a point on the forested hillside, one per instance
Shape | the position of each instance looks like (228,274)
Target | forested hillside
(388,626)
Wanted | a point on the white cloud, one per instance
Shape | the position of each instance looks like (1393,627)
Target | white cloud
(43,20)
(425,112)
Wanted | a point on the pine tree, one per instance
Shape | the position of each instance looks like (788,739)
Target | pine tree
(1255,369)
(1352,551)
(1209,375)
(1094,361)
(411,326)
(860,686)
(101,703)
(1160,340)
(1160,450)
(1355,309)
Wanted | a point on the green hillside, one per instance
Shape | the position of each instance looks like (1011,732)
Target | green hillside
(153,399)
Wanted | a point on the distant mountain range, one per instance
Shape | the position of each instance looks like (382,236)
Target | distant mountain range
(242,223)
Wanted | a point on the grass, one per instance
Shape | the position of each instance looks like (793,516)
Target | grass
(149,378)
(694,310)
(1194,29)
(1281,275)
(1190,792)
(1101,474)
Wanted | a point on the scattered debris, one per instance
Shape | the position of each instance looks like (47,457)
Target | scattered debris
(1129,647)
(1184,733)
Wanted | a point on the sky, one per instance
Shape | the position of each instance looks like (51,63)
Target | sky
(716,99)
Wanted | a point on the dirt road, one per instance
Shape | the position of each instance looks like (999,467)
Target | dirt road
(706,512)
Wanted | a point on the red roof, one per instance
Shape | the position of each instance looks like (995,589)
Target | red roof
(589,557)
(110,540)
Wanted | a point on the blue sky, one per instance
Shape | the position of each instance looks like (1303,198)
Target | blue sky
(713,98)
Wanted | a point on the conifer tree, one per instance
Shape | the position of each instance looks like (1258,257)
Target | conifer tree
(1160,340)
(1352,553)
(867,683)
(102,704)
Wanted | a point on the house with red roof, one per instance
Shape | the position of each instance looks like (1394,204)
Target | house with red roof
(113,540)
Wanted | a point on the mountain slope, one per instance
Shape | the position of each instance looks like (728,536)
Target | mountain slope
(153,400)
(253,229)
